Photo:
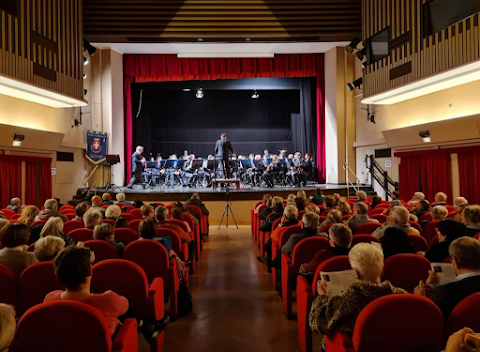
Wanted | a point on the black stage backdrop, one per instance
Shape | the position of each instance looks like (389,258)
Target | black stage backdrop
(171,121)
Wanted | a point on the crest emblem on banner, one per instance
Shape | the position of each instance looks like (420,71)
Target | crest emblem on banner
(96,147)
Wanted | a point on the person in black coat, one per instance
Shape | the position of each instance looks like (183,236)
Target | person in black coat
(448,230)
(137,167)
(465,255)
(222,149)
(306,170)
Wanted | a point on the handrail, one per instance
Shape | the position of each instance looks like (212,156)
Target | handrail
(347,168)
(381,176)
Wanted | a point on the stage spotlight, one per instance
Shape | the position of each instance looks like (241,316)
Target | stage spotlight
(425,136)
(255,94)
(199,94)
(85,92)
(355,84)
(89,47)
(84,76)
(186,89)
(353,45)
(85,61)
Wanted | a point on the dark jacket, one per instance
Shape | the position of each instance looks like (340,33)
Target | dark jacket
(318,200)
(438,252)
(294,239)
(470,232)
(267,224)
(300,204)
(137,162)
(447,296)
(321,256)
(222,147)
(198,203)
(264,213)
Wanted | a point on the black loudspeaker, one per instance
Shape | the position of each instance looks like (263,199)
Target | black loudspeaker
(62,156)
(383,153)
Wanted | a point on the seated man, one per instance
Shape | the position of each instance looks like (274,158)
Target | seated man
(15,204)
(92,218)
(398,217)
(80,210)
(460,203)
(465,255)
(440,199)
(340,240)
(306,170)
(360,216)
(310,222)
(104,232)
(161,214)
(195,200)
(439,212)
(51,211)
(107,198)
(97,203)
(318,199)
(272,170)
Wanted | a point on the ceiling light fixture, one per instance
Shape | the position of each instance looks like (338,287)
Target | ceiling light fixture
(18,139)
(89,47)
(86,61)
(353,45)
(425,136)
(199,94)
(355,84)
(255,94)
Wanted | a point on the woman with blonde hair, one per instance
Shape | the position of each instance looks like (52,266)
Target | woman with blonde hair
(301,194)
(29,213)
(54,227)
(333,217)
(344,208)
(471,219)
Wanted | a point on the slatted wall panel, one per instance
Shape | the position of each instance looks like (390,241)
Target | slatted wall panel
(41,44)
(447,49)
(176,20)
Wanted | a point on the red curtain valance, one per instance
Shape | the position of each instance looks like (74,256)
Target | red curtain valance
(24,158)
(161,68)
(447,150)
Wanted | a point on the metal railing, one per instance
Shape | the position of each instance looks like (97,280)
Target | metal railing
(381,176)
(355,186)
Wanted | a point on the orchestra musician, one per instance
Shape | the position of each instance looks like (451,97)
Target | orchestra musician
(222,147)
(187,169)
(306,169)
(138,165)
(271,171)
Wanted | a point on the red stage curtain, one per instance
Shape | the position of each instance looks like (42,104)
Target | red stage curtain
(409,174)
(469,172)
(161,68)
(10,180)
(45,181)
(31,183)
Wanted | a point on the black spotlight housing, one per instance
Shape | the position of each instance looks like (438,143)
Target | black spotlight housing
(353,45)
(89,47)
(355,84)
(361,54)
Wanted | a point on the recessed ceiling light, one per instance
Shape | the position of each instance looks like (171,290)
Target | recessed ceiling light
(186,89)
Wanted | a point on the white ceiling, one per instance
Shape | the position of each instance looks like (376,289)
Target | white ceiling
(221,48)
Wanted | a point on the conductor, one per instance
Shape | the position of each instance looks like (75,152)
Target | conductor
(138,163)
(222,147)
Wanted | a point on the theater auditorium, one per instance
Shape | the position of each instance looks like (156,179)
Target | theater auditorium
(239,175)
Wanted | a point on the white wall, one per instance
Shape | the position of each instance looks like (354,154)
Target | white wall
(331,138)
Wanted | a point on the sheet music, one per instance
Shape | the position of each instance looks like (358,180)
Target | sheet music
(445,272)
(338,281)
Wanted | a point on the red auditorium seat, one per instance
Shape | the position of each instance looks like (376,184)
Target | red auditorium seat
(379,209)
(31,248)
(180,248)
(12,221)
(102,249)
(346,217)
(71,225)
(133,224)
(425,217)
(105,206)
(128,217)
(153,258)
(70,216)
(306,294)
(326,227)
(417,324)
(301,213)
(38,280)
(252,216)
(465,314)
(363,239)
(325,212)
(418,242)
(39,222)
(78,327)
(406,270)
(432,242)
(303,252)
(129,280)
(81,235)
(264,236)
(67,206)
(136,213)
(9,284)
(451,215)
(257,221)
(108,221)
(184,227)
(380,217)
(276,247)
(197,212)
(15,216)
(416,226)
(367,228)
(196,233)
(126,236)
(7,212)
(429,232)
(65,211)
(127,207)
(450,208)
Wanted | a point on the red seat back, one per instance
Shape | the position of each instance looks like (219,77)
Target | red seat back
(451,215)
(418,242)
(418,324)
(71,225)
(136,213)
(39,222)
(81,235)
(102,249)
(15,216)
(133,225)
(363,239)
(126,207)
(7,212)
(450,208)
(9,285)
(301,213)
(326,227)
(70,216)
(38,280)
(287,232)
(151,256)
(416,226)
(128,217)
(108,221)
(338,263)
(380,217)
(429,232)
(126,236)
(379,209)
(79,328)
(67,206)
(179,223)
(425,217)
(306,249)
(325,212)
(367,228)
(174,238)
(195,211)
(406,270)
(465,314)
(275,224)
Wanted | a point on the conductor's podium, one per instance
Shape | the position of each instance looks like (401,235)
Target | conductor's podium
(227,181)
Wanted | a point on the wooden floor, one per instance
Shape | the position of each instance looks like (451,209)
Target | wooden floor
(235,306)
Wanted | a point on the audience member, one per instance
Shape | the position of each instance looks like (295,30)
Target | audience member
(51,211)
(313,208)
(4,224)
(361,196)
(264,202)
(376,200)
(421,208)
(299,203)
(329,202)
(80,210)
(340,240)
(54,227)
(318,198)
(344,208)
(464,340)
(417,197)
(29,213)
(97,203)
(393,203)
(8,325)
(398,218)
(448,230)
(337,198)
(360,216)
(177,214)
(438,212)
(104,232)
(334,216)
(195,200)
(267,210)
(440,199)
(107,198)
(147,211)
(15,204)
(291,197)
(460,203)
(339,313)
(121,198)
(121,223)
(74,269)
(465,255)
(276,214)
(92,218)
(396,241)
(15,255)
(395,195)
(161,214)
(310,222)
(113,212)
(59,203)
(471,218)
(47,248)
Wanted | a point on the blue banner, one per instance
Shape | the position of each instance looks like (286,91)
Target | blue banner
(96,147)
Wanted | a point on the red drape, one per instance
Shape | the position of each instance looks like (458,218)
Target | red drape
(161,68)
(10,180)
(426,173)
(45,181)
(31,183)
(469,174)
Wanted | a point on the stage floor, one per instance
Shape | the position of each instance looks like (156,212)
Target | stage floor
(209,194)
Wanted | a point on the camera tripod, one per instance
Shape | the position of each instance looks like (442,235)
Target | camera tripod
(228,209)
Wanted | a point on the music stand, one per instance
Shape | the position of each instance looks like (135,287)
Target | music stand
(228,209)
(109,161)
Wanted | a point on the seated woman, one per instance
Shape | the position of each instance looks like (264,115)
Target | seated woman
(265,198)
(74,269)
(54,227)
(104,232)
(301,200)
(177,214)
(147,211)
(92,218)
(333,217)
(396,241)
(15,255)
(329,202)
(113,212)
(8,325)
(47,248)
(448,230)
(439,212)
(471,219)
(393,204)
(262,215)
(277,214)
(460,203)
(376,200)
(29,213)
(344,208)
(313,208)
(339,313)
(121,223)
